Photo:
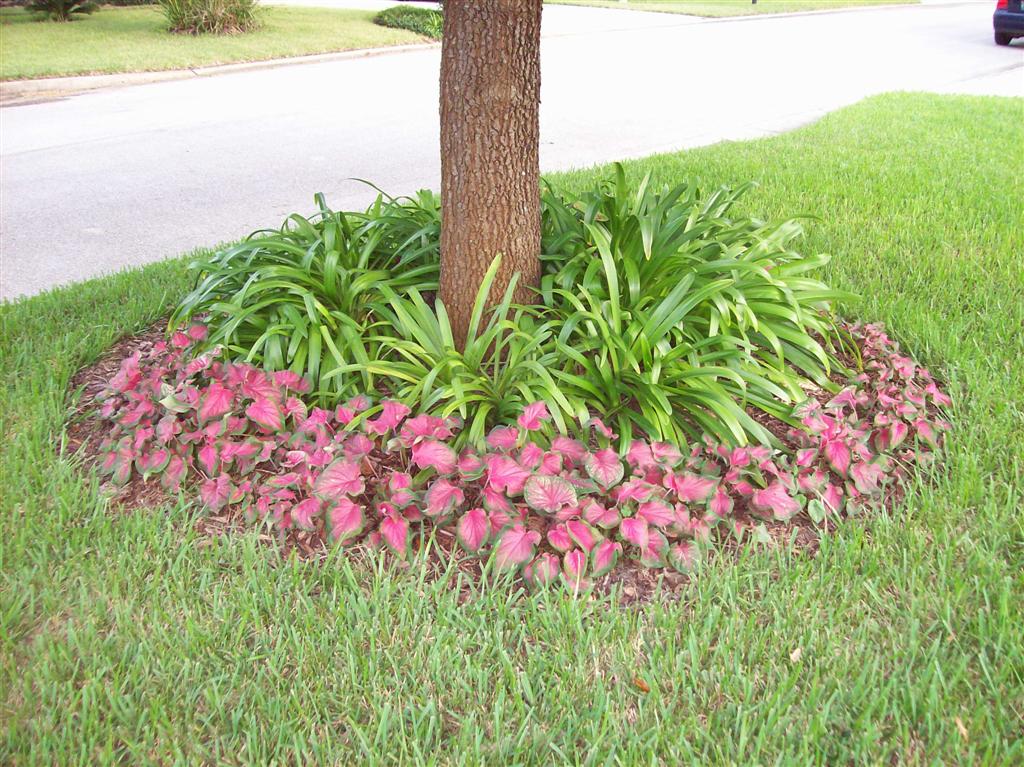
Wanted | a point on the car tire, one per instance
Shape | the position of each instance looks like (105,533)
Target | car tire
(1002,38)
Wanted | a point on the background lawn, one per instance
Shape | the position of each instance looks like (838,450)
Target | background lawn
(137,40)
(731,7)
(128,637)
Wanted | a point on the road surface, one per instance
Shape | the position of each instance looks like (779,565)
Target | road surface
(106,180)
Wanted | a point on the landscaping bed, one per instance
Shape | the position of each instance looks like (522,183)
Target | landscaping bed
(138,636)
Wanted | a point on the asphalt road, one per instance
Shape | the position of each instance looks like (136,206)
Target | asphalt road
(106,180)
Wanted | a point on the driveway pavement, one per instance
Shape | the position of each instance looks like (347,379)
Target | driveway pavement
(118,178)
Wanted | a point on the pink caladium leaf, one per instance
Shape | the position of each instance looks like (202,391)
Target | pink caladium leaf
(531,455)
(390,417)
(639,455)
(209,459)
(807,457)
(635,530)
(394,529)
(304,512)
(542,571)
(533,416)
(924,431)
(604,467)
(443,498)
(837,453)
(472,530)
(596,514)
(653,555)
(666,454)
(866,477)
(690,488)
(559,538)
(582,534)
(347,520)
(173,473)
(776,500)
(549,494)
(291,380)
(656,512)
(215,402)
(720,504)
(514,546)
(833,497)
(505,475)
(574,568)
(215,492)
(569,449)
(341,478)
(503,437)
(550,463)
(684,556)
(167,428)
(604,556)
(423,427)
(431,454)
(153,461)
(266,413)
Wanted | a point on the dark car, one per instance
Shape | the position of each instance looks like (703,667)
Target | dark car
(1008,21)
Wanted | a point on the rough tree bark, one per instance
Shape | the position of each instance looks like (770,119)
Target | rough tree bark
(490,135)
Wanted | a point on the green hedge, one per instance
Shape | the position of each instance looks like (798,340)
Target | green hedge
(422,21)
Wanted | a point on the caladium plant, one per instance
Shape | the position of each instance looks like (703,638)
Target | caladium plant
(555,507)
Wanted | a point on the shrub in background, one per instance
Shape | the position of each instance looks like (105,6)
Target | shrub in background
(219,17)
(422,21)
(61,10)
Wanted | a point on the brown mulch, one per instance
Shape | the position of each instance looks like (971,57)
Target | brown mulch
(631,582)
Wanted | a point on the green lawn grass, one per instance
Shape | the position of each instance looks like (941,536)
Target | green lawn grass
(126,637)
(137,40)
(717,8)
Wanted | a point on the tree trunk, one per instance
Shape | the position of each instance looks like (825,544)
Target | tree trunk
(490,135)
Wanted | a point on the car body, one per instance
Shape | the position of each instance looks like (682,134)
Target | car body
(1008,21)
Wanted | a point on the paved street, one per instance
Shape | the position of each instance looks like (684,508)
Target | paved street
(109,179)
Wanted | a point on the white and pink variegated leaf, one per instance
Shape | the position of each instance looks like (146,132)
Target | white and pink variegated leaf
(209,459)
(470,466)
(531,455)
(604,467)
(347,520)
(514,546)
(653,555)
(473,529)
(833,497)
(604,556)
(548,494)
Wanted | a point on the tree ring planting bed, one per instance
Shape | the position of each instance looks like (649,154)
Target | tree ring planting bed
(580,512)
